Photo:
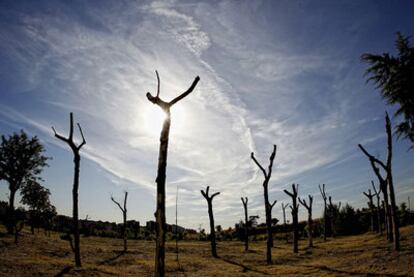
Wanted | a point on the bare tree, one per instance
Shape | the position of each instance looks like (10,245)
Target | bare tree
(76,159)
(284,220)
(124,217)
(387,183)
(377,195)
(310,221)
(211,217)
(294,207)
(246,224)
(268,206)
(333,211)
(161,173)
(325,211)
(370,196)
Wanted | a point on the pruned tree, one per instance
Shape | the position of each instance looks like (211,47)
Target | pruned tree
(124,217)
(246,224)
(161,172)
(284,219)
(325,211)
(209,199)
(76,160)
(333,214)
(308,207)
(387,183)
(377,195)
(21,160)
(370,196)
(268,206)
(295,208)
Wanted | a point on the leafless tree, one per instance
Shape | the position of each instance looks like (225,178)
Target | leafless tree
(246,224)
(268,206)
(333,214)
(370,196)
(387,182)
(284,220)
(211,217)
(295,208)
(377,195)
(325,210)
(161,173)
(75,149)
(124,217)
(310,221)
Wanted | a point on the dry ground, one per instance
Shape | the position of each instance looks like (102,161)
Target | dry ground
(364,255)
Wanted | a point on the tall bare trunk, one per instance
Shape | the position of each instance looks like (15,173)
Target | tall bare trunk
(76,160)
(211,217)
(268,206)
(294,207)
(310,221)
(160,230)
(246,224)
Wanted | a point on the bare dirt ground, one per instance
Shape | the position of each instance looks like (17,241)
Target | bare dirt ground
(364,255)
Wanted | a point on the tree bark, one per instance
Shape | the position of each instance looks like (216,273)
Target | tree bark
(160,229)
(310,221)
(325,211)
(211,217)
(394,213)
(246,227)
(294,207)
(76,160)
(124,217)
(268,206)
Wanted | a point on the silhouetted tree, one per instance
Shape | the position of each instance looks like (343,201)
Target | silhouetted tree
(246,225)
(310,221)
(394,76)
(124,217)
(325,211)
(284,219)
(268,206)
(333,214)
(294,207)
(387,181)
(76,160)
(370,196)
(161,173)
(211,217)
(21,160)
(377,195)
(36,197)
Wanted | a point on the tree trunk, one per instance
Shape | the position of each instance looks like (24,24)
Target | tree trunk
(160,212)
(269,243)
(212,230)
(310,229)
(390,183)
(10,213)
(75,190)
(387,215)
(125,231)
(246,227)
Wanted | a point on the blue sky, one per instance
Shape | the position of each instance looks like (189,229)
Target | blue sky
(272,72)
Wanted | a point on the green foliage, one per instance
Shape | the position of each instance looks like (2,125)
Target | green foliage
(35,196)
(394,76)
(21,159)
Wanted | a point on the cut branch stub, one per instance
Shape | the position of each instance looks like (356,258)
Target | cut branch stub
(165,106)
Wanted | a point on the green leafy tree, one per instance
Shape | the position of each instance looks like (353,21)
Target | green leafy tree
(21,160)
(394,76)
(36,197)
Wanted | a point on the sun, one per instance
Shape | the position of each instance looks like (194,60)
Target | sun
(154,119)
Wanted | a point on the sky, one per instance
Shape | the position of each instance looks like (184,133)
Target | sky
(272,72)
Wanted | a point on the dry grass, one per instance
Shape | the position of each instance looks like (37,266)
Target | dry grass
(365,255)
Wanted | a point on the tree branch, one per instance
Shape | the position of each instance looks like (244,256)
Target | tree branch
(113,200)
(259,165)
(83,138)
(371,157)
(184,94)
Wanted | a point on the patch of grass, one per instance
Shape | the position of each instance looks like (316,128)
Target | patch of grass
(364,255)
